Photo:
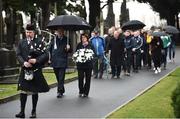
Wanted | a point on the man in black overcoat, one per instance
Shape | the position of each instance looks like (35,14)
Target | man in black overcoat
(117,48)
(59,49)
(31,55)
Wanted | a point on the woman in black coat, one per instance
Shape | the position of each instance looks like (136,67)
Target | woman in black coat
(117,48)
(31,55)
(84,68)
(156,46)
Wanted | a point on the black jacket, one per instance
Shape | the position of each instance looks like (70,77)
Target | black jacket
(156,46)
(59,56)
(88,64)
(117,47)
(38,83)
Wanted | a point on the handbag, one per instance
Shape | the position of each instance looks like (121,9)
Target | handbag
(29,75)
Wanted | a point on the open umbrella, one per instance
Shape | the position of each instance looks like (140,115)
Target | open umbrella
(133,25)
(68,22)
(158,34)
(171,29)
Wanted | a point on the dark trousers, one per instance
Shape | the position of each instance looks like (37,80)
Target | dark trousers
(149,58)
(116,70)
(60,76)
(23,99)
(136,60)
(127,62)
(143,59)
(164,56)
(98,65)
(84,80)
(172,51)
(156,57)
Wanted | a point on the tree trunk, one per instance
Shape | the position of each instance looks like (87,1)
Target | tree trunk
(177,21)
(45,13)
(171,19)
(1,24)
(94,11)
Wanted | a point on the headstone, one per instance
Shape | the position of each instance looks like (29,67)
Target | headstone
(9,20)
(9,71)
(73,43)
(19,28)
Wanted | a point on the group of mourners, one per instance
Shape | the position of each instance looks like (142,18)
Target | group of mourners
(131,50)
(128,51)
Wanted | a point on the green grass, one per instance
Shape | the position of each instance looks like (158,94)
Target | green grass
(51,79)
(7,90)
(155,103)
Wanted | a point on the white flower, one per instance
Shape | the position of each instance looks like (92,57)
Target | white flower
(40,45)
(83,55)
(31,47)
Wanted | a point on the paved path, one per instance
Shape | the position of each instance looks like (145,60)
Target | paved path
(105,96)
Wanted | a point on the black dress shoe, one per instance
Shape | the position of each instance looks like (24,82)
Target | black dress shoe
(33,115)
(20,115)
(85,95)
(80,95)
(100,76)
(112,77)
(59,95)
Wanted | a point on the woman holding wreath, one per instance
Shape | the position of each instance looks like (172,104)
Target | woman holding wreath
(83,58)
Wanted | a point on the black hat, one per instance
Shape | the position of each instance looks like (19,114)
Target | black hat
(30,27)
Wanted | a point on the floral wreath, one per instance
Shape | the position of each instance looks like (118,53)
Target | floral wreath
(83,55)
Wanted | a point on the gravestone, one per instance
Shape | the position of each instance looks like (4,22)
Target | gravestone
(9,71)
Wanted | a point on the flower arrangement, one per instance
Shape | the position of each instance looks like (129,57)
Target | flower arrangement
(83,55)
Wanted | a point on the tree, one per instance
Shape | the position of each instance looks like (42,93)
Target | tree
(61,5)
(168,9)
(30,7)
(77,7)
(94,12)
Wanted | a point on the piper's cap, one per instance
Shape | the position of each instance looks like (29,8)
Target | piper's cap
(30,27)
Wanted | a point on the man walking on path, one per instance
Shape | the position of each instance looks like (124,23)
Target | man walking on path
(117,48)
(59,50)
(99,45)
(31,56)
(136,50)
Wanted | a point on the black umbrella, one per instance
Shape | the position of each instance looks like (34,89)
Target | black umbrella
(158,34)
(68,22)
(133,25)
(171,29)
